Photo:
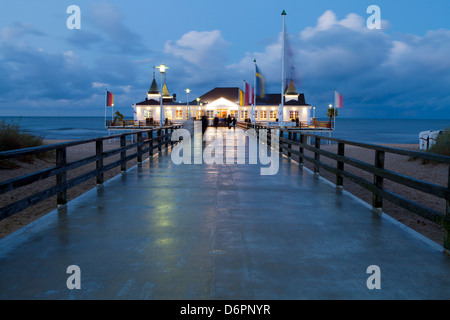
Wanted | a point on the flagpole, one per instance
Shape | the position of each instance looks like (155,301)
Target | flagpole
(254,97)
(282,69)
(106,102)
(243,102)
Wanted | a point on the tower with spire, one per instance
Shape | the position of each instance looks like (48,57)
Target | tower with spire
(153,93)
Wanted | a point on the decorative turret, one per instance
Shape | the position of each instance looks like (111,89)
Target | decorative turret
(153,92)
(291,92)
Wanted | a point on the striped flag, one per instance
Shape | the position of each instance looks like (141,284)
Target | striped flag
(259,83)
(338,100)
(109,99)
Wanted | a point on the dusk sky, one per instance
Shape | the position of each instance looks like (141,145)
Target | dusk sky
(400,71)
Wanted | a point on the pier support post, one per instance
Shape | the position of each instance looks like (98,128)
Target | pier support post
(316,156)
(289,145)
(123,154)
(139,147)
(61,178)
(340,165)
(447,223)
(377,201)
(159,140)
(301,150)
(150,151)
(99,163)
(166,139)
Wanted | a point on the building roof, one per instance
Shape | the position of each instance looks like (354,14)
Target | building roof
(291,91)
(274,99)
(231,94)
(165,91)
(153,88)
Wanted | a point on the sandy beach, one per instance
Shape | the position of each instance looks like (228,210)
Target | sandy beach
(433,173)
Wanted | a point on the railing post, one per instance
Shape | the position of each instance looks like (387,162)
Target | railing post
(289,145)
(99,163)
(316,155)
(280,143)
(159,140)
(150,151)
(301,150)
(340,165)
(61,178)
(166,139)
(139,148)
(377,201)
(447,216)
(123,154)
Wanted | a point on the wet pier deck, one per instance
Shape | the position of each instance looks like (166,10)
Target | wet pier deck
(166,231)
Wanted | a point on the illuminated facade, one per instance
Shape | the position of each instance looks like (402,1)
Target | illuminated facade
(222,102)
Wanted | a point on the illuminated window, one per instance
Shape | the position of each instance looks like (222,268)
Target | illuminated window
(293,115)
(273,114)
(210,114)
(263,115)
(148,114)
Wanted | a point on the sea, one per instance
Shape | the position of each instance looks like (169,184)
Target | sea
(397,131)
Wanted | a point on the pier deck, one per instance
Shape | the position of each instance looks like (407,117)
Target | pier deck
(166,231)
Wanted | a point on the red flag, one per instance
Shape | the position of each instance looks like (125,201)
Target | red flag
(338,100)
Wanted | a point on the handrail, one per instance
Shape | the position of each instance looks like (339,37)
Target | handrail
(63,167)
(300,139)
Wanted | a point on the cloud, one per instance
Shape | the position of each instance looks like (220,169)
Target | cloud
(379,75)
(18,30)
(203,49)
(203,57)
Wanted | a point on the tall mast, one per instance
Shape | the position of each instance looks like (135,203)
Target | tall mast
(283,77)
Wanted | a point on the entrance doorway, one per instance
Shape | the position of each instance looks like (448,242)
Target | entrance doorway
(222,113)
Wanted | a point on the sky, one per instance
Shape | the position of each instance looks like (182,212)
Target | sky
(399,71)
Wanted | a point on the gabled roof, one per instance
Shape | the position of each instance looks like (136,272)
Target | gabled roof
(274,99)
(231,94)
(149,102)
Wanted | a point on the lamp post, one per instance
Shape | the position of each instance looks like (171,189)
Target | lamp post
(198,108)
(162,69)
(188,108)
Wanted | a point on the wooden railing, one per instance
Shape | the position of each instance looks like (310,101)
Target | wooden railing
(146,141)
(321,125)
(290,138)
